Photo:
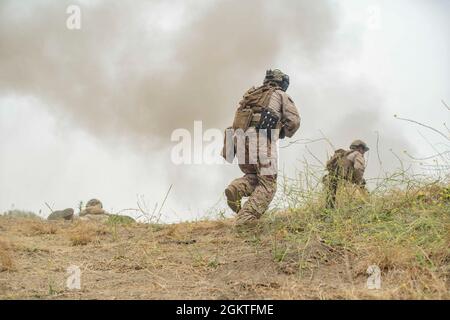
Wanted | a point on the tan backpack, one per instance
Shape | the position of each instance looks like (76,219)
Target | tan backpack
(338,164)
(255,100)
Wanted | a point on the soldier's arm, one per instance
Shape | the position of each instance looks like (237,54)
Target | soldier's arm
(290,118)
(360,166)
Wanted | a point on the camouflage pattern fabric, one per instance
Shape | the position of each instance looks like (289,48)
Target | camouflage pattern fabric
(354,172)
(256,184)
(259,165)
(93,206)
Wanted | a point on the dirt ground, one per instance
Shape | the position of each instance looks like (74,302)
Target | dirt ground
(202,260)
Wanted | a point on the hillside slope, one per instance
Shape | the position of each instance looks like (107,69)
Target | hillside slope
(290,255)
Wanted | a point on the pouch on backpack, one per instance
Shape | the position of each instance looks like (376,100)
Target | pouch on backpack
(242,119)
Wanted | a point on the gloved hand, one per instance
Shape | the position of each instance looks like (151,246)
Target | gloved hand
(282,133)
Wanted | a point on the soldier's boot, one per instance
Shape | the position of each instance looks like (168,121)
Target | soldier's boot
(331,191)
(233,198)
(258,202)
(239,188)
(331,200)
(245,219)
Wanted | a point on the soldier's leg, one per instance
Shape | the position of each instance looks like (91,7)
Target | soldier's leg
(331,186)
(241,187)
(362,191)
(259,200)
(264,192)
(266,171)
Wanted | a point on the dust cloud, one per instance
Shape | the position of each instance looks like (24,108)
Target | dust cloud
(137,70)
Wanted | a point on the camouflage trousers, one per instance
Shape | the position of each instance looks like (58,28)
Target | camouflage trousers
(331,183)
(259,184)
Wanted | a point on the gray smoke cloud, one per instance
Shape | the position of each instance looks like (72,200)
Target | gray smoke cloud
(119,75)
(344,111)
(137,70)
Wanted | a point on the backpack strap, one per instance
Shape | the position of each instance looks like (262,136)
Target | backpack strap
(257,98)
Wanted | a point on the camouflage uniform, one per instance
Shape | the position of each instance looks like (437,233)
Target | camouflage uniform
(260,176)
(351,169)
(93,206)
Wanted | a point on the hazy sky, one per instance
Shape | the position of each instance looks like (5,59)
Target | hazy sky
(89,113)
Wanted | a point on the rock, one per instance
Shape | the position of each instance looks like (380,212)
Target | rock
(66,214)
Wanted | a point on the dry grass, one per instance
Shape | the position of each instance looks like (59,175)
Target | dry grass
(302,252)
(36,228)
(6,263)
(81,239)
(403,228)
(84,232)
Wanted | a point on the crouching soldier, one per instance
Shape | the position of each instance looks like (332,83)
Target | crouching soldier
(345,165)
(264,115)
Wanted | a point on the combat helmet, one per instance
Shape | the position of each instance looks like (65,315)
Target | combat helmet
(359,143)
(277,77)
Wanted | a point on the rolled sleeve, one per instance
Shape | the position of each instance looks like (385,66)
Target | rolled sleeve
(290,118)
(359,165)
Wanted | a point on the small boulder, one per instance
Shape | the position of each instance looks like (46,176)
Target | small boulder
(66,214)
